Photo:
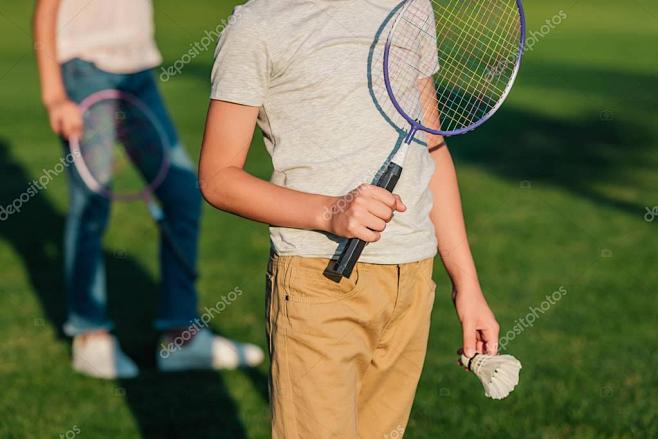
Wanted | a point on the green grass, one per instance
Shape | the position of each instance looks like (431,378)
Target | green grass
(555,190)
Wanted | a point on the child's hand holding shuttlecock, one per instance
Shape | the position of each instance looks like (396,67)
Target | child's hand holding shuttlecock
(499,374)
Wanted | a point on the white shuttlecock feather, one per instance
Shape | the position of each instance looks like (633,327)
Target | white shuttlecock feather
(499,374)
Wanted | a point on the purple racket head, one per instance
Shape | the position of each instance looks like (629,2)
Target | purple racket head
(122,153)
(449,64)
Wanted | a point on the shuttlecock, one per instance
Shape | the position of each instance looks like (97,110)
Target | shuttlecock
(499,374)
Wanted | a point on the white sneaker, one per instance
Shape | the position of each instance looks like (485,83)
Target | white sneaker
(100,356)
(207,351)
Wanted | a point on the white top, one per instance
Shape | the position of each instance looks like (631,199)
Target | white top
(306,65)
(116,35)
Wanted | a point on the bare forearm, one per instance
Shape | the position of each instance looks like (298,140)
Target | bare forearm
(448,220)
(236,191)
(45,46)
(227,186)
(224,184)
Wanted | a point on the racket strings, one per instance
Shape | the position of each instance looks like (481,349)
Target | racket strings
(469,48)
(413,58)
(96,144)
(486,58)
(470,24)
(476,102)
(463,106)
(122,149)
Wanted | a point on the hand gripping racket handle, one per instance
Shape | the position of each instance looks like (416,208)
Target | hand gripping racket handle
(352,252)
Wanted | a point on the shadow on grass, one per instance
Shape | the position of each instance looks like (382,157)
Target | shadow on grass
(581,156)
(180,405)
(35,233)
(171,405)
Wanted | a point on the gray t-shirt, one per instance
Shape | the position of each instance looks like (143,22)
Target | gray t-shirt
(312,68)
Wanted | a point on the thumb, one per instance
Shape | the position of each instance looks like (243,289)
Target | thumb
(75,127)
(469,339)
(55,123)
(399,205)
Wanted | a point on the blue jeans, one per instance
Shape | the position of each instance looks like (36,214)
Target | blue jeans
(89,212)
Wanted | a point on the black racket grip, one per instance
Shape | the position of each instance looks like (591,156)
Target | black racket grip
(352,252)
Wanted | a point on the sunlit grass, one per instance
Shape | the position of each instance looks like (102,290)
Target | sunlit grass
(555,191)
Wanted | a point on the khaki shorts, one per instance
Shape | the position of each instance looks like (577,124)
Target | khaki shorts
(345,357)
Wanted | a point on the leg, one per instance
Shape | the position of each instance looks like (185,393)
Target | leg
(322,336)
(85,223)
(188,343)
(83,258)
(181,202)
(95,352)
(389,384)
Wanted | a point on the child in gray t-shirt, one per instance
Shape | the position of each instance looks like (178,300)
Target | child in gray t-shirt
(346,356)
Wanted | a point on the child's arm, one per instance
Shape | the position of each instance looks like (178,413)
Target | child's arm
(479,326)
(225,185)
(64,115)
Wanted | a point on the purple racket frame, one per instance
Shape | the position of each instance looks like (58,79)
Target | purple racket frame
(146,194)
(350,254)
(84,171)
(415,125)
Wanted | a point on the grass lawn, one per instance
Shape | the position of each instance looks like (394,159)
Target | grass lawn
(555,189)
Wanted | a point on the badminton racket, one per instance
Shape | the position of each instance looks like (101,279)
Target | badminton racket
(122,155)
(447,67)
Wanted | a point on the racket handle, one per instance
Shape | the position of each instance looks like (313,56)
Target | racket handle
(352,252)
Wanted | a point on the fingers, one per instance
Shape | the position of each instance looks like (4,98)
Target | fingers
(364,218)
(56,124)
(72,123)
(479,346)
(491,348)
(73,128)
(380,210)
(469,339)
(490,339)
(473,344)
(374,207)
(380,202)
(65,119)
(399,205)
(369,209)
(367,235)
(364,226)
(391,200)
(482,341)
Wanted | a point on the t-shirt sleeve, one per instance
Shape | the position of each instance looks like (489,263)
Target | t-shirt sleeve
(241,70)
